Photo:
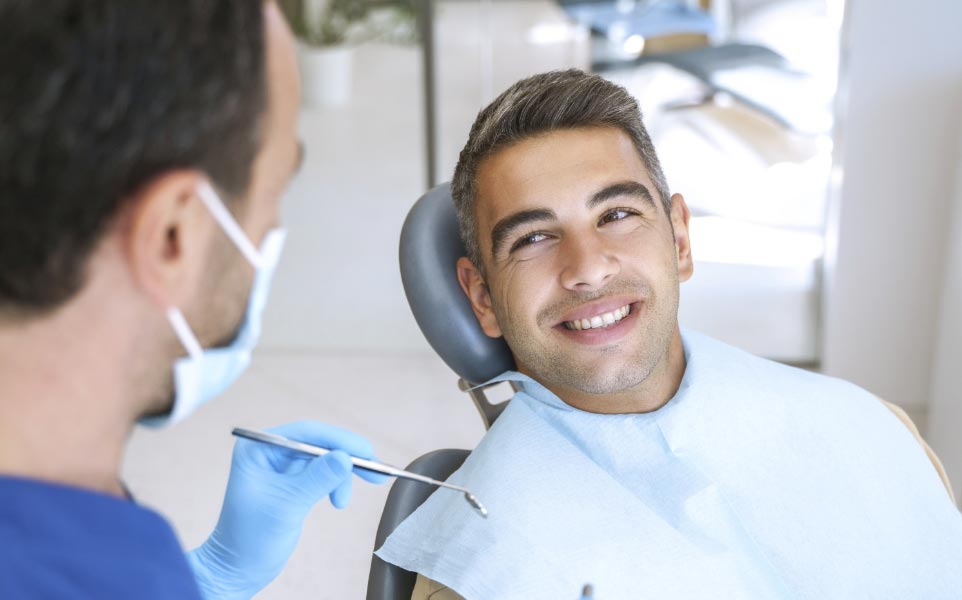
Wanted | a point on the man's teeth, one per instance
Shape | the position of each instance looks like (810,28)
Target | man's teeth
(599,321)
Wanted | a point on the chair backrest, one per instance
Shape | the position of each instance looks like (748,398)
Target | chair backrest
(386,581)
(429,251)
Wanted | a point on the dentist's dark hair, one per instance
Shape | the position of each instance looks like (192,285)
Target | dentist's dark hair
(537,105)
(99,97)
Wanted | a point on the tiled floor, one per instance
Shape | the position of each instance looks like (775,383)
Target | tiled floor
(406,404)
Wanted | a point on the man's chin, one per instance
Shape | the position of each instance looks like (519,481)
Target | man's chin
(609,384)
(587,378)
(228,339)
(159,408)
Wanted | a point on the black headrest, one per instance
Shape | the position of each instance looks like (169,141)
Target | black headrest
(430,249)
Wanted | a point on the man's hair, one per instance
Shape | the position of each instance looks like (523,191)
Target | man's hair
(537,105)
(98,97)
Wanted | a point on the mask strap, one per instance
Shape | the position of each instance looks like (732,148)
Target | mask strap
(186,336)
(227,222)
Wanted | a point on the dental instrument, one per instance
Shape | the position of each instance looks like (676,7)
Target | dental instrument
(370,465)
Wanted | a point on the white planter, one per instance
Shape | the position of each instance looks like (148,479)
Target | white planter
(326,75)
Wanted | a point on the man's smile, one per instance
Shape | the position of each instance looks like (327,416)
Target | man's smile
(600,322)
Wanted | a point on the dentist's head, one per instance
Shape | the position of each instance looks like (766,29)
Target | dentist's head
(139,200)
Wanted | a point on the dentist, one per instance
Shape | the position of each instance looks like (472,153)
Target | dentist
(144,149)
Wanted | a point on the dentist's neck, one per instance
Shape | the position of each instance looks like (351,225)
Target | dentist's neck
(69,382)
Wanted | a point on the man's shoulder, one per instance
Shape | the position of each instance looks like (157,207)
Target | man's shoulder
(723,363)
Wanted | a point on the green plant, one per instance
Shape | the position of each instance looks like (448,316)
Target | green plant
(335,22)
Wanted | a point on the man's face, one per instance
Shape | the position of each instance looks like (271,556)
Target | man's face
(582,264)
(226,294)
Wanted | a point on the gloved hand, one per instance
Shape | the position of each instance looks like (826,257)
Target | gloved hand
(270,492)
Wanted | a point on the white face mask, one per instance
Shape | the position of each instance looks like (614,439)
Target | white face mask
(204,374)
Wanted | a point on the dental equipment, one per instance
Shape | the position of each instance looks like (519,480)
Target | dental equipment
(370,465)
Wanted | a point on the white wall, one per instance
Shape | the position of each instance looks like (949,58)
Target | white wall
(945,415)
(898,154)
(338,284)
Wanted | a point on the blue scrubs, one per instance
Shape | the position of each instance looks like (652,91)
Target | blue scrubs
(64,542)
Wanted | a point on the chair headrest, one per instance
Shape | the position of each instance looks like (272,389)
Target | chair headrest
(430,249)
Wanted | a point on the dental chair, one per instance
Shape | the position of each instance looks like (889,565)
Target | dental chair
(430,248)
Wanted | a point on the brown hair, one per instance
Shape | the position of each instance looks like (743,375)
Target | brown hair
(541,104)
(98,98)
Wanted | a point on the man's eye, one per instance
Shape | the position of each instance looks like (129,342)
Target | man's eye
(527,240)
(616,214)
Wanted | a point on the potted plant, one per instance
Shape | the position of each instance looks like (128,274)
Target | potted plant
(329,30)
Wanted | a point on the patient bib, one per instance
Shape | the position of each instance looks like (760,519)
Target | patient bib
(756,480)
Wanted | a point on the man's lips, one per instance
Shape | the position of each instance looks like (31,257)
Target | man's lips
(604,333)
(598,308)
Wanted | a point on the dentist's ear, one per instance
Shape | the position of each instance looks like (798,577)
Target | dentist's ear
(477,291)
(167,237)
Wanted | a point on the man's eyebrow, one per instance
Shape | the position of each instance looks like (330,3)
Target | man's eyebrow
(506,225)
(622,188)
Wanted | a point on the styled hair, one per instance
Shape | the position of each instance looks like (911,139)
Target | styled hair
(97,98)
(540,104)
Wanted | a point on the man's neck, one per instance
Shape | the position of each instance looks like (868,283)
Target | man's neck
(62,412)
(655,391)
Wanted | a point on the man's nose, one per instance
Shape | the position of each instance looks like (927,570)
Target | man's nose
(587,263)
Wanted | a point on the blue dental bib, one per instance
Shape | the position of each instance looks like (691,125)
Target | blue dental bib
(756,480)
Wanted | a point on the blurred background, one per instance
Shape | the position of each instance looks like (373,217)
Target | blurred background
(818,144)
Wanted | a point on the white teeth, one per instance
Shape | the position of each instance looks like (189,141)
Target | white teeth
(598,321)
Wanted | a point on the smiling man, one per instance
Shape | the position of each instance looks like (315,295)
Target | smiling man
(582,267)
(649,461)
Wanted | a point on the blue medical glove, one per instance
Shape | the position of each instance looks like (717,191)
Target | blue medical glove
(270,492)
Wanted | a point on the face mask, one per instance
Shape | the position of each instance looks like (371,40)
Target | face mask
(204,374)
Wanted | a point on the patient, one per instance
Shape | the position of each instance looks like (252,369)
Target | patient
(647,460)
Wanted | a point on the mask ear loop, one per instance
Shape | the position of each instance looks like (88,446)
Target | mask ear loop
(186,336)
(227,222)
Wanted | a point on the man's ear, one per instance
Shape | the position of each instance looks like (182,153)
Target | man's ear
(680,216)
(168,237)
(477,291)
